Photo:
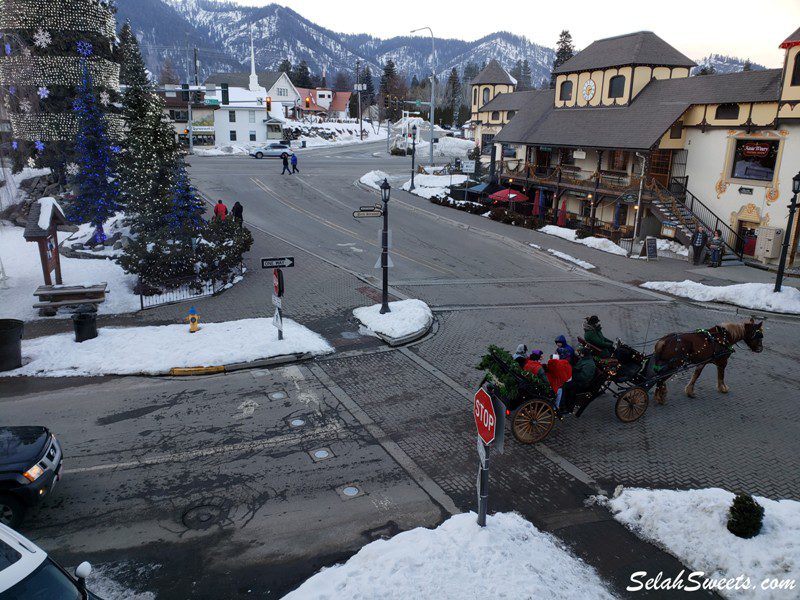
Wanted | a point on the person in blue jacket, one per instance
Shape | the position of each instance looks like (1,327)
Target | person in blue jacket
(563,349)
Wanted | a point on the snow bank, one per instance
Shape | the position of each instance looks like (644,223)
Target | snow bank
(226,150)
(509,558)
(374,179)
(672,246)
(428,186)
(155,350)
(24,271)
(692,526)
(453,147)
(46,212)
(405,317)
(568,257)
(597,243)
(104,581)
(758,296)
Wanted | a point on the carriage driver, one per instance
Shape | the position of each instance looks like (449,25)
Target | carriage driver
(593,334)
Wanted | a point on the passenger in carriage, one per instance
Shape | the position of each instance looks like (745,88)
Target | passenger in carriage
(563,349)
(520,356)
(582,375)
(558,372)
(534,363)
(593,334)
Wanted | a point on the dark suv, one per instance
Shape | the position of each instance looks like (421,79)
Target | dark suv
(30,465)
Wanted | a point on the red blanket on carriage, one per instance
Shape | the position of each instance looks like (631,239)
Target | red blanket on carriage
(558,372)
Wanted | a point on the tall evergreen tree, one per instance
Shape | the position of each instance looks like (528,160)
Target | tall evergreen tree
(525,81)
(285,66)
(301,75)
(388,78)
(368,96)
(516,71)
(168,75)
(706,70)
(96,184)
(564,51)
(414,82)
(747,66)
(452,95)
(342,82)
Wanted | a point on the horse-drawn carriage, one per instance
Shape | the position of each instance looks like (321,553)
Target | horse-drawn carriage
(628,377)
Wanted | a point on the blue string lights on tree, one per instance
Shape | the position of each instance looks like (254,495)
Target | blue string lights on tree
(96,182)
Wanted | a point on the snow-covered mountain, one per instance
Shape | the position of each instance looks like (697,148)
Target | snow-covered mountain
(220,30)
(724,64)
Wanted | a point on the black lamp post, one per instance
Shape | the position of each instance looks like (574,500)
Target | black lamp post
(788,234)
(413,153)
(385,191)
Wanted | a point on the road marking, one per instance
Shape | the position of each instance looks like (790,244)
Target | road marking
(533,305)
(247,408)
(247,447)
(345,230)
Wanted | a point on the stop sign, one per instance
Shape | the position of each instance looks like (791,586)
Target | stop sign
(485,416)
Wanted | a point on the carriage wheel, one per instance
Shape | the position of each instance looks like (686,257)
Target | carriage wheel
(532,421)
(631,405)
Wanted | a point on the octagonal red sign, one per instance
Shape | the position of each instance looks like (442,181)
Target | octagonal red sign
(485,417)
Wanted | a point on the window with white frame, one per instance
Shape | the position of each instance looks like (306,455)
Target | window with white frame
(251,116)
(233,135)
(231,116)
(252,136)
(283,91)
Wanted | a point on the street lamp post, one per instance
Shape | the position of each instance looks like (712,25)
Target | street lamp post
(385,191)
(413,154)
(433,82)
(591,213)
(788,234)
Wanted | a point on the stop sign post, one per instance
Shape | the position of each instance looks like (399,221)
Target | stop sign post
(490,422)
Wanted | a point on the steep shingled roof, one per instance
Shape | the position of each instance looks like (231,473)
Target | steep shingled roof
(266,79)
(494,73)
(640,48)
(512,100)
(792,40)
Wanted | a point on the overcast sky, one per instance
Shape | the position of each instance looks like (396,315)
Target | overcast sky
(746,28)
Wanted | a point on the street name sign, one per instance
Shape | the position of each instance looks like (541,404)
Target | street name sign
(277,263)
(370,212)
(211,102)
(485,416)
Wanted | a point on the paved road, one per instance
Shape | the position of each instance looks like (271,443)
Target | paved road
(175,478)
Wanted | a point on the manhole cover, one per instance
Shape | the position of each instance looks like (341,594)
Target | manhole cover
(277,395)
(297,422)
(204,516)
(351,491)
(320,454)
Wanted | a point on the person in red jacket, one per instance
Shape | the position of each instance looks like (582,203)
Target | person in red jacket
(534,363)
(220,211)
(558,372)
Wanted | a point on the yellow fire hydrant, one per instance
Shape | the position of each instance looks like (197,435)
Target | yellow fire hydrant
(194,320)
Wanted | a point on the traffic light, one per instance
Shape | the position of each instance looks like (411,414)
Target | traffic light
(185,132)
(308,102)
(185,92)
(269,103)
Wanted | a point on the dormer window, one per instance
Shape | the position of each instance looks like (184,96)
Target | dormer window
(510,114)
(486,95)
(616,86)
(727,112)
(495,115)
(565,92)
(796,70)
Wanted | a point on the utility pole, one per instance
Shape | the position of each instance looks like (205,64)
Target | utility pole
(191,100)
(433,83)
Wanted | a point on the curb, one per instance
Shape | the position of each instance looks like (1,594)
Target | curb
(405,339)
(233,367)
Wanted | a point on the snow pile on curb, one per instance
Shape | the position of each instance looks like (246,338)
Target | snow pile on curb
(509,558)
(692,526)
(568,257)
(155,350)
(428,186)
(672,247)
(332,134)
(453,147)
(24,270)
(374,179)
(570,235)
(759,296)
(405,318)
(226,150)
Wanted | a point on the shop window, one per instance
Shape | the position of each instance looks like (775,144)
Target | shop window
(623,213)
(231,116)
(233,136)
(252,136)
(618,160)
(567,158)
(755,160)
(676,131)
(486,143)
(727,112)
(796,70)
(616,86)
(486,94)
(565,92)
(495,115)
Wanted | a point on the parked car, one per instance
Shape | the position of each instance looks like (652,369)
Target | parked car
(27,573)
(273,150)
(30,466)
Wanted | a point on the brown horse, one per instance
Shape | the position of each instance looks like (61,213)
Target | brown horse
(700,348)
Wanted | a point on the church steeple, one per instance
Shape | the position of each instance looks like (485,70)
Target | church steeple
(253,77)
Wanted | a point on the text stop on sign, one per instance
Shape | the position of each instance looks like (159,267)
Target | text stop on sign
(485,416)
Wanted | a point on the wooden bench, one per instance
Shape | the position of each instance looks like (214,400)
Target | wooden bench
(55,296)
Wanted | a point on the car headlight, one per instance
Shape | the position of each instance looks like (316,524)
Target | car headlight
(33,473)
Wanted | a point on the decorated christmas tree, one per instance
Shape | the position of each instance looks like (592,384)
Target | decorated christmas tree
(47,46)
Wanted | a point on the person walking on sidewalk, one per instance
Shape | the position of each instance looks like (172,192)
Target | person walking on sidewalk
(716,249)
(285,158)
(294,164)
(238,213)
(220,211)
(698,243)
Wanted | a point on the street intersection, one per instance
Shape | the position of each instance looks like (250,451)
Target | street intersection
(209,487)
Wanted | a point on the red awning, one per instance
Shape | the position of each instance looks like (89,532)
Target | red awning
(509,195)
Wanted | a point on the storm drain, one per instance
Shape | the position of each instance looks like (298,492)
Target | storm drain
(349,491)
(321,454)
(204,516)
(279,395)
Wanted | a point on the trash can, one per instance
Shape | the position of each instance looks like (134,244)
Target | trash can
(10,344)
(85,324)
(303,144)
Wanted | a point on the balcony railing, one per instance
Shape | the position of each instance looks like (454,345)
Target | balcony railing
(568,176)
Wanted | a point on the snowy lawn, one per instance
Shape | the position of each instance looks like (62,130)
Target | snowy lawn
(155,350)
(568,257)
(758,296)
(405,317)
(509,558)
(24,271)
(597,243)
(428,186)
(692,526)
